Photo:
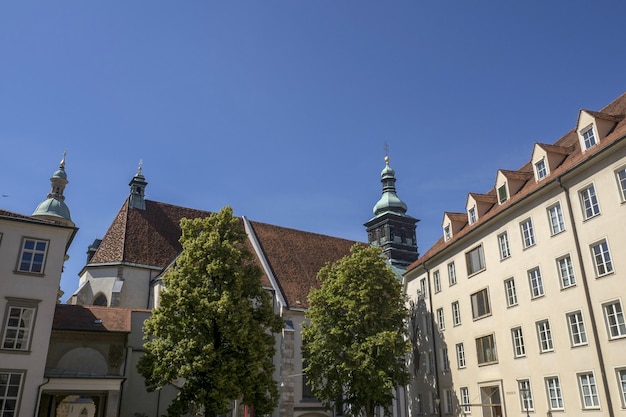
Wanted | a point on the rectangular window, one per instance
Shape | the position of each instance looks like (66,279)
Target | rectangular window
(555,215)
(10,390)
(555,397)
(465,400)
(577,332)
(589,202)
(460,355)
(420,404)
(621,182)
(519,349)
(566,271)
(446,233)
(33,256)
(588,390)
(528,234)
(18,328)
(456,314)
(486,349)
(449,398)
(614,316)
(511,292)
(471,213)
(602,258)
(480,304)
(445,362)
(589,137)
(475,260)
(621,381)
(503,195)
(434,403)
(423,288)
(451,274)
(536,282)
(437,281)
(503,244)
(525,395)
(431,362)
(544,334)
(540,169)
(442,325)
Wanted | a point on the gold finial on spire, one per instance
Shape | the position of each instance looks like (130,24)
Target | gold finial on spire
(386,153)
(62,163)
(140,164)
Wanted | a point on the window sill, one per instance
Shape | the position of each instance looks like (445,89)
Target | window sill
(32,274)
(605,274)
(586,219)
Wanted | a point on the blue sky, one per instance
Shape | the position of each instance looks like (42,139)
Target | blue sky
(281,109)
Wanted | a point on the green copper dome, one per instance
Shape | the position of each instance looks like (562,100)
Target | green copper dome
(389,201)
(54,207)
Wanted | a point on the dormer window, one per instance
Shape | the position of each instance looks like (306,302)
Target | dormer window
(471,214)
(589,138)
(446,233)
(503,194)
(540,169)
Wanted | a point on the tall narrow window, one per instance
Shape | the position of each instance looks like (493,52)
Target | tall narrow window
(451,273)
(536,282)
(420,404)
(475,260)
(588,390)
(437,281)
(18,328)
(614,316)
(10,390)
(555,397)
(456,313)
(577,332)
(465,400)
(446,233)
(519,349)
(423,288)
(503,244)
(460,355)
(555,215)
(602,258)
(621,381)
(511,292)
(528,234)
(503,195)
(540,169)
(589,202)
(566,271)
(544,335)
(445,362)
(621,182)
(449,398)
(442,324)
(525,395)
(471,213)
(480,304)
(589,138)
(486,349)
(33,256)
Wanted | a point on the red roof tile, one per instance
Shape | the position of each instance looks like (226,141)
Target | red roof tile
(91,319)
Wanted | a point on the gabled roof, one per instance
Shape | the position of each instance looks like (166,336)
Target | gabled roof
(91,319)
(150,238)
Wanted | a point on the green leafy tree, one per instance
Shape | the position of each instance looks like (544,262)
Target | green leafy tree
(211,333)
(356,340)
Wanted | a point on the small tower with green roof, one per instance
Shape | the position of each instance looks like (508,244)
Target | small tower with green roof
(137,190)
(53,207)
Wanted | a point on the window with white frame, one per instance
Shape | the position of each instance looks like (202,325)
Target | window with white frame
(449,401)
(525,395)
(456,314)
(519,349)
(602,258)
(460,355)
(451,273)
(10,391)
(536,283)
(566,271)
(18,327)
(511,292)
(589,138)
(540,169)
(555,396)
(544,334)
(555,215)
(588,390)
(620,175)
(528,234)
(503,245)
(621,382)
(442,324)
(578,335)
(471,214)
(480,304)
(475,260)
(423,288)
(446,232)
(437,281)
(445,362)
(614,316)
(486,349)
(465,400)
(431,362)
(589,202)
(33,256)
(503,194)
(434,404)
(420,404)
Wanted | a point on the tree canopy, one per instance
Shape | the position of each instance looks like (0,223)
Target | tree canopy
(355,342)
(211,333)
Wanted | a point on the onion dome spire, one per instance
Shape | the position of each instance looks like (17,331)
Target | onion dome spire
(137,190)
(54,207)
(389,201)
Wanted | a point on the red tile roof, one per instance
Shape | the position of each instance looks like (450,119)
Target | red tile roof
(91,319)
(615,111)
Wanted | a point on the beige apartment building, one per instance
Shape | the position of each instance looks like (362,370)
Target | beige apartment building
(519,308)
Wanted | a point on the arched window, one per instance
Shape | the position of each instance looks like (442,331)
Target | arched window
(100,300)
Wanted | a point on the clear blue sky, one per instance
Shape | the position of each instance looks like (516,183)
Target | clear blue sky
(281,109)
